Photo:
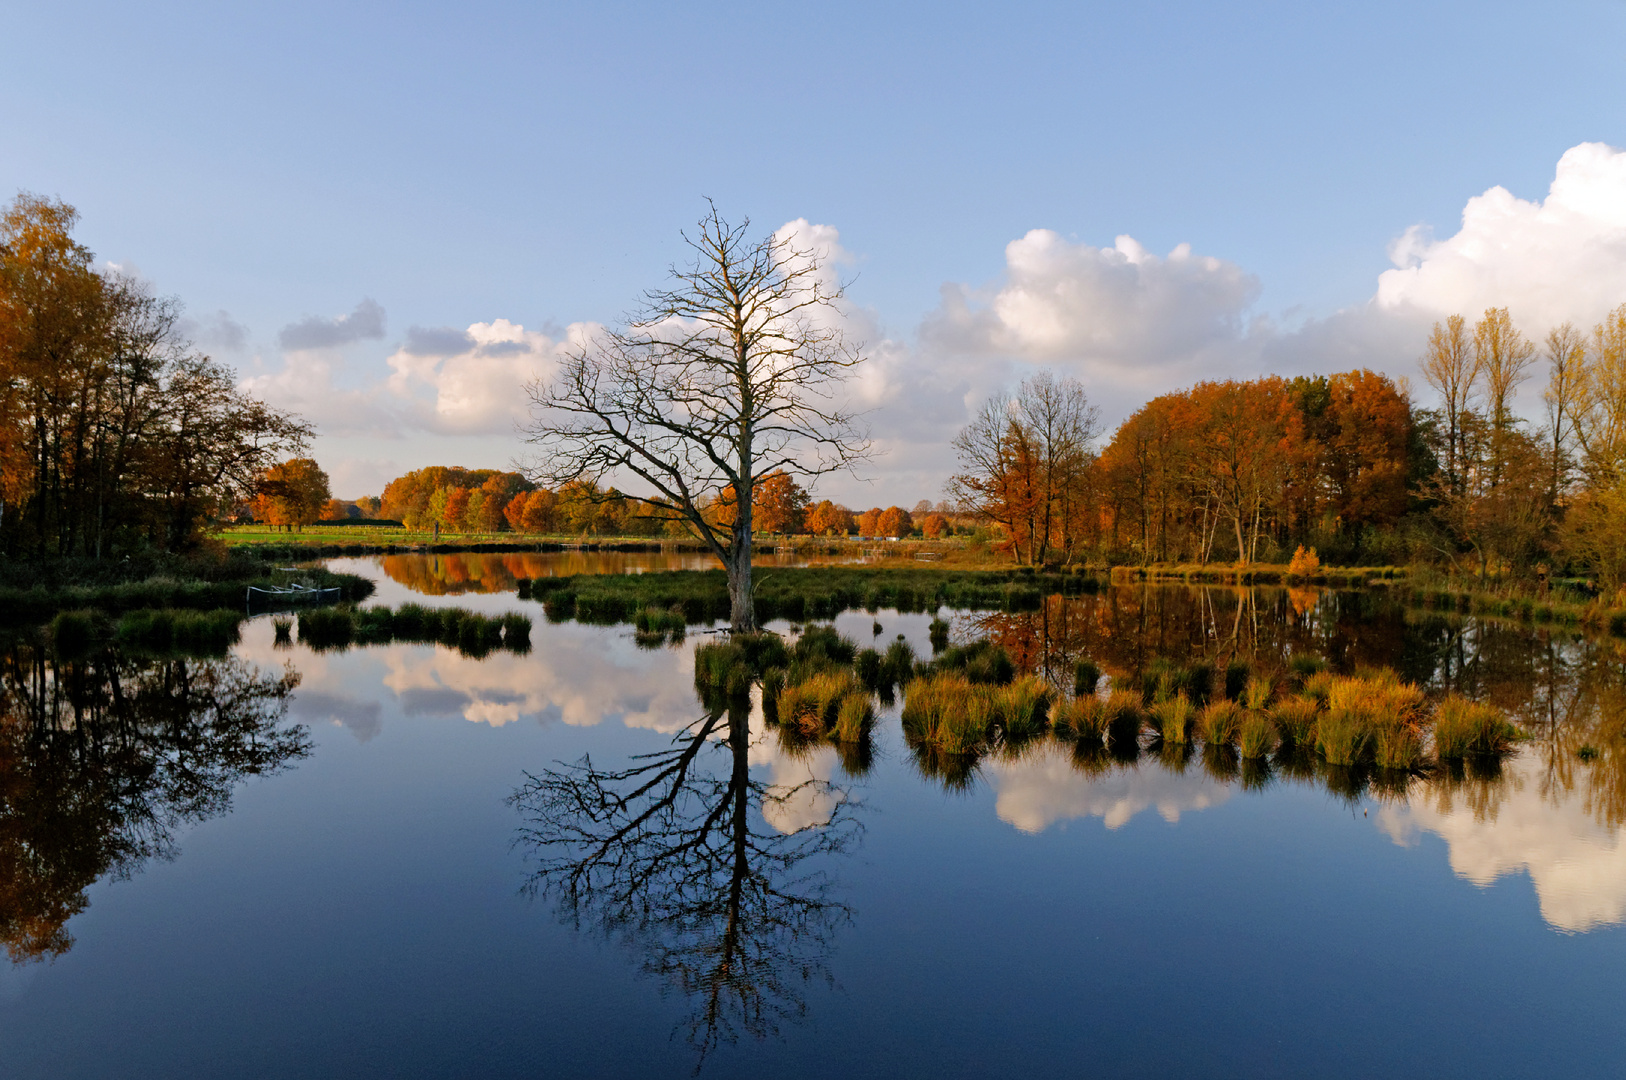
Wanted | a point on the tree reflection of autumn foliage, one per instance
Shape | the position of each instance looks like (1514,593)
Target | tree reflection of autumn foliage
(454,573)
(101,759)
(673,855)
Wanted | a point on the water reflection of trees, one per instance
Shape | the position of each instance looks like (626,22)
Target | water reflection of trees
(454,573)
(1567,691)
(720,880)
(103,758)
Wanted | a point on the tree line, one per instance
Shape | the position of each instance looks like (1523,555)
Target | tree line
(116,434)
(1248,470)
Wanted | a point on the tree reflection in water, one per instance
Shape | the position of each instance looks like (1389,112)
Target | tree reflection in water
(719,879)
(103,757)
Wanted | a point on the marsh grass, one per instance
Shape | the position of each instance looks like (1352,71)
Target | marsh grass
(1237,672)
(1172,718)
(938,633)
(1256,736)
(1256,694)
(1463,727)
(195,633)
(470,633)
(1084,717)
(814,704)
(1303,665)
(1341,737)
(1219,722)
(1398,745)
(1295,720)
(282,627)
(958,716)
(1086,677)
(979,661)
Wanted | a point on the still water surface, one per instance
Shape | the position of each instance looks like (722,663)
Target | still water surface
(359,886)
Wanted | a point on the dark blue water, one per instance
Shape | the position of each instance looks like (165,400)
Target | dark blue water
(362,912)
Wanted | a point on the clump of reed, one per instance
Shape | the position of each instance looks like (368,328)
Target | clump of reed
(938,632)
(979,661)
(958,716)
(815,703)
(1295,719)
(1084,717)
(722,673)
(1163,679)
(881,672)
(1463,727)
(1255,736)
(1341,737)
(1086,677)
(1256,694)
(654,626)
(1219,721)
(282,627)
(181,631)
(1237,673)
(1172,717)
(1304,665)
(75,633)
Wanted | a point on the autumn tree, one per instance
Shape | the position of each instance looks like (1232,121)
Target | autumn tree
(114,431)
(292,494)
(869,522)
(1025,464)
(829,519)
(1565,349)
(895,522)
(781,504)
(726,376)
(934,526)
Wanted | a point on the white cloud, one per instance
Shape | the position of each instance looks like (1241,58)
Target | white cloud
(1562,258)
(1121,312)
(480,387)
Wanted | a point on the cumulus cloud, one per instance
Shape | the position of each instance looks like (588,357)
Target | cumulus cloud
(366,322)
(1561,258)
(218,332)
(476,384)
(1122,309)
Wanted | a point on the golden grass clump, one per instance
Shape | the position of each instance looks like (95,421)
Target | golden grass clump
(1172,716)
(1218,722)
(1256,737)
(1295,719)
(1023,707)
(1398,745)
(1123,707)
(1341,737)
(1378,698)
(1256,695)
(853,717)
(814,703)
(1084,717)
(1463,727)
(947,711)
(1318,687)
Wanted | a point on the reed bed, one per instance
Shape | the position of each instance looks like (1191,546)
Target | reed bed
(1083,717)
(958,716)
(182,631)
(1256,736)
(1463,728)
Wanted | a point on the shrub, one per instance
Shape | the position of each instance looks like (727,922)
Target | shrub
(1304,563)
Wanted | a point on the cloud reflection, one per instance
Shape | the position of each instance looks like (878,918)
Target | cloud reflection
(1042,787)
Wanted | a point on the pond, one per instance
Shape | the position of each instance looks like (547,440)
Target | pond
(402,861)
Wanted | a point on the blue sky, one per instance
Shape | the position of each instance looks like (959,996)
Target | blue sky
(458,165)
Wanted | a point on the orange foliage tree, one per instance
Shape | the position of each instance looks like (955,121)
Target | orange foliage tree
(829,519)
(291,495)
(895,521)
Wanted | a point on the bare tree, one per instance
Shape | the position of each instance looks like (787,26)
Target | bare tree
(1566,359)
(728,375)
(1452,369)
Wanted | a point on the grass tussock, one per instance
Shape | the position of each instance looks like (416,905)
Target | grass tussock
(1219,722)
(1256,736)
(958,716)
(1295,718)
(1463,728)
(1172,717)
(1084,717)
(1086,677)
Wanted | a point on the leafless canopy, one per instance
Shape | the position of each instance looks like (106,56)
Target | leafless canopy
(731,373)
